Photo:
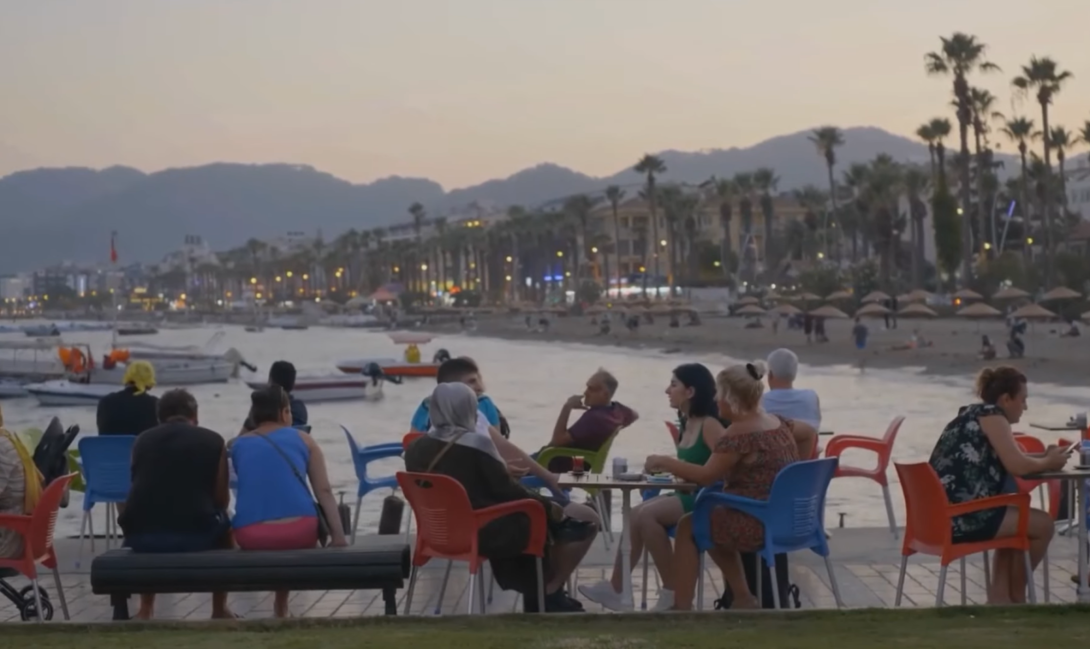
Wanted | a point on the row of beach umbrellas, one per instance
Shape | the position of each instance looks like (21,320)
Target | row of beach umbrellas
(914,310)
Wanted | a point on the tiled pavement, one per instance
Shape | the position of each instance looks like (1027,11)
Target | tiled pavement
(866,561)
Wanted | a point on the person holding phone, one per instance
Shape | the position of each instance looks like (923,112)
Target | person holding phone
(975,457)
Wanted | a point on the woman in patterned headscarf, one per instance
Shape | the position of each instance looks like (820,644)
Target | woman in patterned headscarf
(20,487)
(132,410)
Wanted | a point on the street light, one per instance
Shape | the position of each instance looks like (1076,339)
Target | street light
(559,253)
(253,280)
(289,273)
(422,267)
(508,258)
(663,242)
(594,249)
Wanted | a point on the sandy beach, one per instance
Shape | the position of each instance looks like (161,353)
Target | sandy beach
(956,343)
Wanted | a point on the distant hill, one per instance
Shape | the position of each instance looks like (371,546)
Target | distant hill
(53,215)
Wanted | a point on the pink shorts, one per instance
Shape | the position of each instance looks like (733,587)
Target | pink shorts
(299,534)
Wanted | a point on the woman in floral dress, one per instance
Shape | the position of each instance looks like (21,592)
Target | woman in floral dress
(747,458)
(975,457)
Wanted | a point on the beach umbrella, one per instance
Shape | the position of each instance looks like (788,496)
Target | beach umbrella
(828,311)
(873,311)
(1086,316)
(979,310)
(1009,293)
(917,310)
(747,301)
(791,309)
(918,295)
(1060,293)
(772,295)
(838,295)
(807,297)
(1033,312)
(751,309)
(968,294)
(875,296)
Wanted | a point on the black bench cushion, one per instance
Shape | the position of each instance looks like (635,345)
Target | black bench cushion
(377,564)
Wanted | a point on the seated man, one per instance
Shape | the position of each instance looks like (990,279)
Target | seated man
(601,417)
(178,500)
(458,370)
(131,410)
(783,398)
(282,373)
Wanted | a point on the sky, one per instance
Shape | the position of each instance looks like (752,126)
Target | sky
(462,91)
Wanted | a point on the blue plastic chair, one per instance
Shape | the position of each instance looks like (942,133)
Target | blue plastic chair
(361,457)
(793,517)
(106,465)
(648,494)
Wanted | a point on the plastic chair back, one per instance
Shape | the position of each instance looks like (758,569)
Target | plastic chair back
(409,438)
(675,434)
(926,504)
(596,460)
(107,468)
(446,525)
(44,519)
(891,435)
(796,505)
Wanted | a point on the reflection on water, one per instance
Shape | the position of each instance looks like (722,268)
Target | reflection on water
(530,381)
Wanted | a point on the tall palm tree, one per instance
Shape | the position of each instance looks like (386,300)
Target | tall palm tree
(941,128)
(766,181)
(915,186)
(416,210)
(1084,135)
(1020,131)
(1061,139)
(578,207)
(652,167)
(744,183)
(960,56)
(1043,76)
(982,103)
(927,134)
(828,139)
(615,195)
(725,191)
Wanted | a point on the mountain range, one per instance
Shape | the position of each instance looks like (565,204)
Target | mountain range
(51,215)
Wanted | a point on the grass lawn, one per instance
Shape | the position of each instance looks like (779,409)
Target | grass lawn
(992,628)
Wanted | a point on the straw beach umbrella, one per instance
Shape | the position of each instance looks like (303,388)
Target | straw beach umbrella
(836,296)
(1009,293)
(875,296)
(872,310)
(968,294)
(829,311)
(1060,293)
(773,296)
(786,309)
(750,310)
(979,310)
(1033,312)
(747,301)
(917,310)
(918,295)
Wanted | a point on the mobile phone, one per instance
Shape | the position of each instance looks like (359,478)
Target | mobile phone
(1071,447)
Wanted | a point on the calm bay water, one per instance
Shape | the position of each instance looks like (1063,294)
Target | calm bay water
(530,381)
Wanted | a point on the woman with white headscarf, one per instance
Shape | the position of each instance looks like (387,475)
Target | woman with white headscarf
(453,447)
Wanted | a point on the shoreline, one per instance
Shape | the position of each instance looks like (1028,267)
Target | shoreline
(956,342)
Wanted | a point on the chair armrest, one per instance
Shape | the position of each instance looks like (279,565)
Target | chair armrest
(396,445)
(372,453)
(18,523)
(1021,501)
(648,494)
(532,508)
(841,443)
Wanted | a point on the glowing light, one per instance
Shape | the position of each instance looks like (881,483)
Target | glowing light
(508,258)
(253,280)
(594,249)
(288,273)
(663,242)
(422,267)
(559,253)
(1029,240)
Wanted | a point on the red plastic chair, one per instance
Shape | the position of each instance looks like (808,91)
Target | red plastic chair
(448,527)
(674,432)
(882,447)
(929,526)
(37,532)
(409,438)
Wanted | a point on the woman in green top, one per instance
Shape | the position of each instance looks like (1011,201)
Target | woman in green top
(692,395)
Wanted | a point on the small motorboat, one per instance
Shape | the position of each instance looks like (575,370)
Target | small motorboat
(366,385)
(12,389)
(136,331)
(410,365)
(69,393)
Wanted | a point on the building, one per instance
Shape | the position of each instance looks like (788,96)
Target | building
(14,287)
(193,253)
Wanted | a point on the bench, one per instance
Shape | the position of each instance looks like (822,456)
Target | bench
(374,563)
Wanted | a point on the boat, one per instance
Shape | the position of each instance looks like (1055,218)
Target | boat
(136,331)
(68,393)
(12,389)
(254,329)
(42,331)
(173,366)
(332,387)
(410,366)
(31,360)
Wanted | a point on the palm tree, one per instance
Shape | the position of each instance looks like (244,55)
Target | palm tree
(651,166)
(1061,139)
(725,191)
(941,128)
(927,134)
(419,215)
(766,181)
(960,56)
(982,103)
(670,198)
(744,183)
(827,139)
(1020,130)
(915,186)
(1084,135)
(578,207)
(1044,76)
(615,195)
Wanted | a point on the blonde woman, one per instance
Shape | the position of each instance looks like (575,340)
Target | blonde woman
(752,450)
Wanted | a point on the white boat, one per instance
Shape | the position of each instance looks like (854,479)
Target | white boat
(31,360)
(69,393)
(173,366)
(172,372)
(12,389)
(333,387)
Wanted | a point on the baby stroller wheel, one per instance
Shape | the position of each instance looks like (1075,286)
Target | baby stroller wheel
(29,609)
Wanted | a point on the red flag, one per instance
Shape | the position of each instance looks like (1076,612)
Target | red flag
(113,248)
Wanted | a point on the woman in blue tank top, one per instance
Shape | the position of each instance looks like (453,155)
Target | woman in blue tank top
(274,509)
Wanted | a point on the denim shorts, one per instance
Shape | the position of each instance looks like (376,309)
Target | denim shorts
(171,542)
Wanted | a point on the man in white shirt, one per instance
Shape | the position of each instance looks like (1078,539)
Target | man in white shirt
(783,398)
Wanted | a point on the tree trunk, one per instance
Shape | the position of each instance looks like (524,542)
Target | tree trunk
(963,163)
(836,218)
(1050,250)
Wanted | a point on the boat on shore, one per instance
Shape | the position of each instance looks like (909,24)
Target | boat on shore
(136,330)
(410,366)
(332,387)
(68,393)
(12,389)
(31,360)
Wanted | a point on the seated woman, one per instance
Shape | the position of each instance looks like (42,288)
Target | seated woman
(454,448)
(747,458)
(274,509)
(178,500)
(20,488)
(692,394)
(975,456)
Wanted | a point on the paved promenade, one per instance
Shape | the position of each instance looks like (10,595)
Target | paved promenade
(866,561)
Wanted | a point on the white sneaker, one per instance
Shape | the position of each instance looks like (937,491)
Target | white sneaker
(666,601)
(602,593)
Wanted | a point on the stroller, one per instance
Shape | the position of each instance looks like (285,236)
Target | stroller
(51,458)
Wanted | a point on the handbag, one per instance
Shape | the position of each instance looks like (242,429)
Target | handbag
(324,530)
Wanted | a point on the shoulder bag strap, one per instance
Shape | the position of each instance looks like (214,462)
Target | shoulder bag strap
(443,451)
(295,472)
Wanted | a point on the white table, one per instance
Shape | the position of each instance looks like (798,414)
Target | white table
(626,487)
(1080,476)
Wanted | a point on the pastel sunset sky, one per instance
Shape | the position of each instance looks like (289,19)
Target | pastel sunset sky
(466,90)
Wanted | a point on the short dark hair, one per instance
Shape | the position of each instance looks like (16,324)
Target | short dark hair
(282,373)
(994,382)
(267,403)
(177,404)
(455,370)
